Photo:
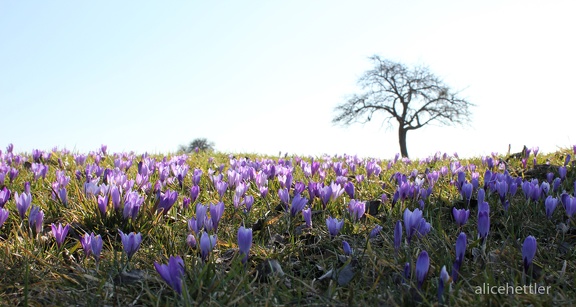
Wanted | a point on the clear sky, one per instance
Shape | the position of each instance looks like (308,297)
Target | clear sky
(265,76)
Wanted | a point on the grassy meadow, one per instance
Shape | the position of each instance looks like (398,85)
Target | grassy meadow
(212,229)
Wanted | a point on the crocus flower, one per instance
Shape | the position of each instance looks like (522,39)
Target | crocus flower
(550,203)
(22,203)
(411,221)
(248,202)
(307,213)
(562,172)
(167,200)
(347,249)
(4,195)
(130,242)
(191,241)
(442,281)
(284,196)
(216,211)
(467,191)
(194,192)
(334,225)
(102,203)
(528,251)
(132,205)
(397,235)
(422,266)
(96,246)
(483,224)
(172,272)
(244,242)
(356,209)
(375,231)
(460,251)
(221,187)
(423,228)
(207,243)
(115,196)
(298,203)
(60,233)
(460,216)
(86,240)
(407,271)
(349,189)
(3,216)
(325,195)
(569,204)
(36,219)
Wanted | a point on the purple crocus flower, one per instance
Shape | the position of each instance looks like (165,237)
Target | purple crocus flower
(167,200)
(528,251)
(423,228)
(375,231)
(460,247)
(483,224)
(216,211)
(115,196)
(307,213)
(36,219)
(130,242)
(221,187)
(467,191)
(422,266)
(460,216)
(284,196)
(3,216)
(562,172)
(4,195)
(200,216)
(550,204)
(86,240)
(325,195)
(248,202)
(347,249)
(407,271)
(102,203)
(442,281)
(397,235)
(132,205)
(569,204)
(172,273)
(411,221)
(460,252)
(207,243)
(60,233)
(194,192)
(334,225)
(96,246)
(356,209)
(191,241)
(244,242)
(349,189)
(22,203)
(298,203)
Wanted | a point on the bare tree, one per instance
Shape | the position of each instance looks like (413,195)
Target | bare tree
(412,97)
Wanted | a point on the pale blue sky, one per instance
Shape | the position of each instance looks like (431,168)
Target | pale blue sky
(264,76)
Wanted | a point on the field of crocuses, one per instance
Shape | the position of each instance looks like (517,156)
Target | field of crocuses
(122,229)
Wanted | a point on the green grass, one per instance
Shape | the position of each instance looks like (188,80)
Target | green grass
(35,272)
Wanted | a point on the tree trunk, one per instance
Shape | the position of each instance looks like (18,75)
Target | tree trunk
(402,139)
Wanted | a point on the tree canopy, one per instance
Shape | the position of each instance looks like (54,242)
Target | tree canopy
(411,97)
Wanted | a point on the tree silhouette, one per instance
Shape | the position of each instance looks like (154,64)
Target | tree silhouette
(413,97)
(199,144)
